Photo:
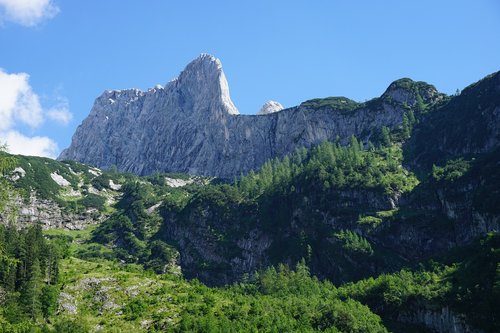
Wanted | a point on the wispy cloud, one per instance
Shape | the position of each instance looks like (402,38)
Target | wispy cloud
(60,112)
(27,12)
(17,101)
(18,143)
(20,105)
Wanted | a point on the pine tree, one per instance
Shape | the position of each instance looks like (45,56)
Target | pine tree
(411,118)
(420,105)
(406,127)
(32,291)
(7,163)
(48,300)
(385,136)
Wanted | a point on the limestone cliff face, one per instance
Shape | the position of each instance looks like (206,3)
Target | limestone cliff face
(46,213)
(191,125)
(266,235)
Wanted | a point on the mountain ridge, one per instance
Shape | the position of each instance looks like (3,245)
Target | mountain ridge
(192,126)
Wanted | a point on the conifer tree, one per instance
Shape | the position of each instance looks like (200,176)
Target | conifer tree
(32,291)
(385,136)
(406,127)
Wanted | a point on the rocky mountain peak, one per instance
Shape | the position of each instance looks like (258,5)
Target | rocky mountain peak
(406,90)
(204,67)
(190,125)
(270,107)
(203,81)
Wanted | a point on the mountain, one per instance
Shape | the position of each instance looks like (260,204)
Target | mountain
(397,234)
(415,201)
(403,205)
(192,126)
(469,124)
(69,195)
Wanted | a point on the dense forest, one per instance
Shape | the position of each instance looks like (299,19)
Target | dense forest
(29,277)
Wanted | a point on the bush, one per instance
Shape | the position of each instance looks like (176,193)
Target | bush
(453,170)
(134,309)
(101,182)
(354,243)
(93,201)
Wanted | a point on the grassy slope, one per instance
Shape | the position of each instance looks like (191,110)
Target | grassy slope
(117,297)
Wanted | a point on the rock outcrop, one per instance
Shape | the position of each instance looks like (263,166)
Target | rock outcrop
(270,107)
(47,213)
(192,126)
(438,320)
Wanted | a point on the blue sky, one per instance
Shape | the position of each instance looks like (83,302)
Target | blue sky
(61,54)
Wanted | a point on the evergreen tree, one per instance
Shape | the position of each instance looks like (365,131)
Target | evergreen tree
(411,117)
(406,127)
(48,300)
(32,291)
(385,136)
(420,105)
(7,163)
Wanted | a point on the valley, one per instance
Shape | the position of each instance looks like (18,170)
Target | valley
(386,220)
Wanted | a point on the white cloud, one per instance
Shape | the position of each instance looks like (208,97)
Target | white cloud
(27,12)
(17,143)
(20,105)
(60,113)
(17,101)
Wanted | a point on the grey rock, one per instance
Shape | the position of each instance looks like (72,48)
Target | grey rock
(192,126)
(35,210)
(270,107)
(67,303)
(441,320)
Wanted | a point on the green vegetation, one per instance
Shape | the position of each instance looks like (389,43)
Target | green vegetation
(93,201)
(353,242)
(335,103)
(372,221)
(125,298)
(469,286)
(83,187)
(457,127)
(453,170)
(480,173)
(371,245)
(7,163)
(29,273)
(37,178)
(121,297)
(334,179)
(137,220)
(330,166)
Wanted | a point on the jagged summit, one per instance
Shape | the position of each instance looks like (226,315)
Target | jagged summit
(192,126)
(270,107)
(207,58)
(204,67)
(203,80)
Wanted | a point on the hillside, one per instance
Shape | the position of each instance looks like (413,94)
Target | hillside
(398,233)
